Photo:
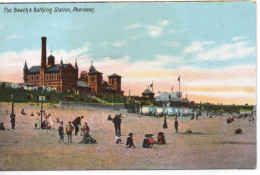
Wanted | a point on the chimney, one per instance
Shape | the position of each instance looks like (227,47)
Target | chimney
(43,62)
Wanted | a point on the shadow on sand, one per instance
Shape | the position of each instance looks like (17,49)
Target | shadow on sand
(236,143)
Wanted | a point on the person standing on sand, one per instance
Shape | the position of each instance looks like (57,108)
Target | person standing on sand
(117,124)
(61,132)
(176,125)
(69,130)
(12,116)
(76,124)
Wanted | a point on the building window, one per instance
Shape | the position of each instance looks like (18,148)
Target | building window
(37,77)
(57,76)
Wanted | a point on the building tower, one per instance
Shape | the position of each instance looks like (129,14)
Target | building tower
(51,61)
(25,71)
(114,81)
(95,79)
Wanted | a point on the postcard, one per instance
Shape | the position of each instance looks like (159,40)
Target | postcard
(128,86)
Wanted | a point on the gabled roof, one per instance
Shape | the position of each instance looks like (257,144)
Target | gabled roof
(147,91)
(34,69)
(55,68)
(114,75)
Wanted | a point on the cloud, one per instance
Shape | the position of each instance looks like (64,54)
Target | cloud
(237,38)
(134,26)
(163,22)
(13,36)
(170,44)
(227,51)
(156,30)
(119,43)
(197,46)
(169,58)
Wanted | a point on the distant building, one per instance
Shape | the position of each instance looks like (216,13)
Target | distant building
(94,81)
(148,94)
(171,99)
(59,77)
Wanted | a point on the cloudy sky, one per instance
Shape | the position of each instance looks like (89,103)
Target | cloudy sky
(212,46)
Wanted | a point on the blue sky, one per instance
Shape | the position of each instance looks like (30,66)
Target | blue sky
(194,35)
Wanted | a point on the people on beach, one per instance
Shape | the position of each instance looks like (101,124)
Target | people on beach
(88,139)
(2,126)
(69,130)
(165,126)
(85,129)
(130,141)
(36,123)
(117,124)
(148,141)
(61,132)
(161,138)
(109,117)
(23,113)
(12,116)
(176,125)
(118,139)
(76,124)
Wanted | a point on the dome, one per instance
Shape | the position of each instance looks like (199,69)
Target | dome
(51,57)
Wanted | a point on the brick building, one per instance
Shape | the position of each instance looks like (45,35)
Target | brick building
(94,81)
(59,77)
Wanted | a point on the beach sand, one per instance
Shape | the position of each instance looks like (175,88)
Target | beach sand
(212,145)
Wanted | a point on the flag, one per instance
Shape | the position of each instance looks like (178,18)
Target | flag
(151,85)
(179,78)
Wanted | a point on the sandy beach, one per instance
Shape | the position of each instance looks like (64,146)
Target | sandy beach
(212,145)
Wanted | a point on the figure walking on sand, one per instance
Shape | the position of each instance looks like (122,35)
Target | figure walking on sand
(176,125)
(69,130)
(76,124)
(117,125)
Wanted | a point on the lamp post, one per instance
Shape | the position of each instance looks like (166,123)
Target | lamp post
(41,99)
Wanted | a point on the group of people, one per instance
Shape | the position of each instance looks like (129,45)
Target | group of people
(69,130)
(148,140)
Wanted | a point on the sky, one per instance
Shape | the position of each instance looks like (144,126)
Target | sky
(210,45)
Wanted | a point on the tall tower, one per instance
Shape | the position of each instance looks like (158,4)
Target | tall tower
(95,79)
(43,62)
(25,71)
(114,80)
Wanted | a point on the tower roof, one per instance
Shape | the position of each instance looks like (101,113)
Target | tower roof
(25,66)
(61,63)
(76,65)
(51,57)
(92,69)
(147,91)
(114,75)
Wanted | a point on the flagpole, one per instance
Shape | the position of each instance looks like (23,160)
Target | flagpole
(179,88)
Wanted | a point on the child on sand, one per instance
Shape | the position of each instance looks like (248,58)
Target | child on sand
(69,130)
(130,141)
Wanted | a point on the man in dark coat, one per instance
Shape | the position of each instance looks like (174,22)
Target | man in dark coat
(117,125)
(176,125)
(12,116)
(76,124)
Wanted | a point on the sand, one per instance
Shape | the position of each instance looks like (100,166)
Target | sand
(212,145)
